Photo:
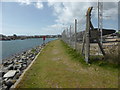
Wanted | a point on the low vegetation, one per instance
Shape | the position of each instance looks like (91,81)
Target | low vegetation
(111,60)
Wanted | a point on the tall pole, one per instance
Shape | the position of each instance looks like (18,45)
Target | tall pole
(101,20)
(64,35)
(98,16)
(76,34)
(100,23)
(87,35)
(67,36)
(70,34)
(87,40)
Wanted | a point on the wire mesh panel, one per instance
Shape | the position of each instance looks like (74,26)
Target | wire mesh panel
(73,35)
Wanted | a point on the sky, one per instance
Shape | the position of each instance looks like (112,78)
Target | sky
(43,18)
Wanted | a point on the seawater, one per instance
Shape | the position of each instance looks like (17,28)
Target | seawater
(9,48)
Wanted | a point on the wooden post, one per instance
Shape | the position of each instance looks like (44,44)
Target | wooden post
(76,34)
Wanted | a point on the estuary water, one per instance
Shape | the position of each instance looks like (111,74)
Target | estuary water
(9,48)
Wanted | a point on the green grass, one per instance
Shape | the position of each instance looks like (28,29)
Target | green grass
(94,60)
(73,53)
(104,63)
(58,67)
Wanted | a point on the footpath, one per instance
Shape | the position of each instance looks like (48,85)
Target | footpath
(55,68)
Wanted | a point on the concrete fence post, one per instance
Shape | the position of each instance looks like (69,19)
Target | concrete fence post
(76,34)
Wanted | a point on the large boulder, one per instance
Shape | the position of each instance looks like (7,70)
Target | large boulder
(10,73)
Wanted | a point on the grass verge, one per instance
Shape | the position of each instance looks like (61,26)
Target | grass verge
(55,68)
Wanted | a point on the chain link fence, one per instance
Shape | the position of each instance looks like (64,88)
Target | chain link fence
(74,37)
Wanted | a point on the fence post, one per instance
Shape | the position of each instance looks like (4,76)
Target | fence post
(76,34)
(67,36)
(70,36)
(87,35)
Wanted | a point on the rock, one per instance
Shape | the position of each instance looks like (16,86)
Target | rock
(23,66)
(4,80)
(32,58)
(2,73)
(5,70)
(10,62)
(18,71)
(17,66)
(27,58)
(17,75)
(28,62)
(20,61)
(14,67)
(17,63)
(10,73)
(5,64)
(17,56)
(0,80)
(4,87)
(23,57)
(1,87)
(15,60)
(25,62)
(10,67)
(9,83)
(24,52)
(31,55)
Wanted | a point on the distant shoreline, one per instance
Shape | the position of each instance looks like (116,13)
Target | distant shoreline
(15,37)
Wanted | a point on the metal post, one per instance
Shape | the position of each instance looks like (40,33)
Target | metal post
(67,36)
(76,34)
(70,35)
(64,36)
